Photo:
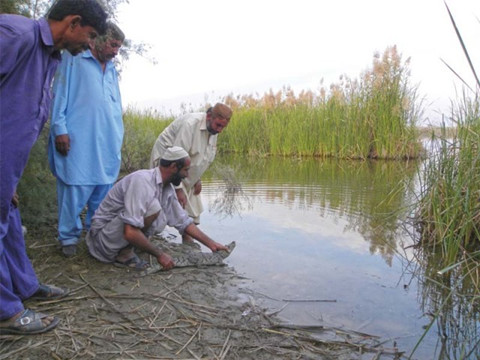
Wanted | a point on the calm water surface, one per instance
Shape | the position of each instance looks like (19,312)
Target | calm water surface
(324,230)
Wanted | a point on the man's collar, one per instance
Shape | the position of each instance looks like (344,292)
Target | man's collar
(45,32)
(87,54)
(158,176)
(203,123)
(47,37)
(159,180)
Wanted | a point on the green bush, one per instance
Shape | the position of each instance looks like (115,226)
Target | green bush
(141,131)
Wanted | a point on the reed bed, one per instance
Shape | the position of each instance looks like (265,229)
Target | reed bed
(371,117)
(449,209)
(448,223)
(141,130)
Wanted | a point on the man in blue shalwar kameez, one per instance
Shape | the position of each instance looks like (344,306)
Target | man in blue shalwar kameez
(29,55)
(86,134)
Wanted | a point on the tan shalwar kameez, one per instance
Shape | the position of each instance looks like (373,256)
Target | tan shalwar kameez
(189,132)
(130,201)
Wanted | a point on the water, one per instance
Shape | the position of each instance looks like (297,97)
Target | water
(326,230)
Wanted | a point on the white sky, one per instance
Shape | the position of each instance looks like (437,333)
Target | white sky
(209,48)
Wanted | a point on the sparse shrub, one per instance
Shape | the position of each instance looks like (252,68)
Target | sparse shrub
(141,131)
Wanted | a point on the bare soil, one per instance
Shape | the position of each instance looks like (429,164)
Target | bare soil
(186,313)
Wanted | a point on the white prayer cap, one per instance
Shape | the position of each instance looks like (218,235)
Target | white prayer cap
(174,153)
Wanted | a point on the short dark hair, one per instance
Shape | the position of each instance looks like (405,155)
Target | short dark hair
(91,11)
(180,162)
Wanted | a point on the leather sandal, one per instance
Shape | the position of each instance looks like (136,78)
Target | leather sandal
(30,322)
(134,263)
(49,292)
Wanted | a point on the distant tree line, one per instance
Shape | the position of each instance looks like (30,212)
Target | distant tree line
(38,8)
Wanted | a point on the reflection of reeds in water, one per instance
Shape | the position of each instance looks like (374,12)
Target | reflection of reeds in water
(452,300)
(231,199)
(371,195)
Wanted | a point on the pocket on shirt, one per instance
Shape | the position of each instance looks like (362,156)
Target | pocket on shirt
(112,91)
(211,152)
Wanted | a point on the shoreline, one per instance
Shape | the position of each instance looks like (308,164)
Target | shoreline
(204,312)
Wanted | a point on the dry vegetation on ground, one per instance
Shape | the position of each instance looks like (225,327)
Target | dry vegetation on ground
(188,313)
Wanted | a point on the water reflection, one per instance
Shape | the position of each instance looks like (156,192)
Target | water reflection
(326,230)
(452,299)
(331,230)
(371,196)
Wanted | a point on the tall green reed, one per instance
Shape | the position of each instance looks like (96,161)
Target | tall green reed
(449,209)
(448,221)
(141,130)
(371,117)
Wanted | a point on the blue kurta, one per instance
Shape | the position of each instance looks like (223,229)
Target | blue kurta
(86,106)
(27,64)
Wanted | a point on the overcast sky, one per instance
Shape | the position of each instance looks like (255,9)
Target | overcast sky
(207,49)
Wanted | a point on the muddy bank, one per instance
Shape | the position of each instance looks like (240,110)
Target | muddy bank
(188,313)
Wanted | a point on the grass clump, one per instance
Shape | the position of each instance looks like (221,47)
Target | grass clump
(141,130)
(448,221)
(449,209)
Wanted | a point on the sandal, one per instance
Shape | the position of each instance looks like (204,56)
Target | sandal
(30,322)
(134,263)
(49,292)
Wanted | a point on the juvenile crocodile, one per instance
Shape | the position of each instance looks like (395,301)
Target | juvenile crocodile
(192,258)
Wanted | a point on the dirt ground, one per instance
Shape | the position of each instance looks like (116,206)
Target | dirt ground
(186,313)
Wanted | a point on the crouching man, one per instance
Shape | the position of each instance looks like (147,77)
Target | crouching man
(140,205)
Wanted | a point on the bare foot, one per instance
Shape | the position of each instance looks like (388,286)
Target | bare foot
(125,254)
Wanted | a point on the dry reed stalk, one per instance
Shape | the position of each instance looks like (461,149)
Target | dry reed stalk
(91,337)
(157,314)
(69,333)
(105,299)
(225,348)
(189,340)
(137,285)
(197,307)
(193,354)
(35,246)
(138,308)
(55,356)
(23,348)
